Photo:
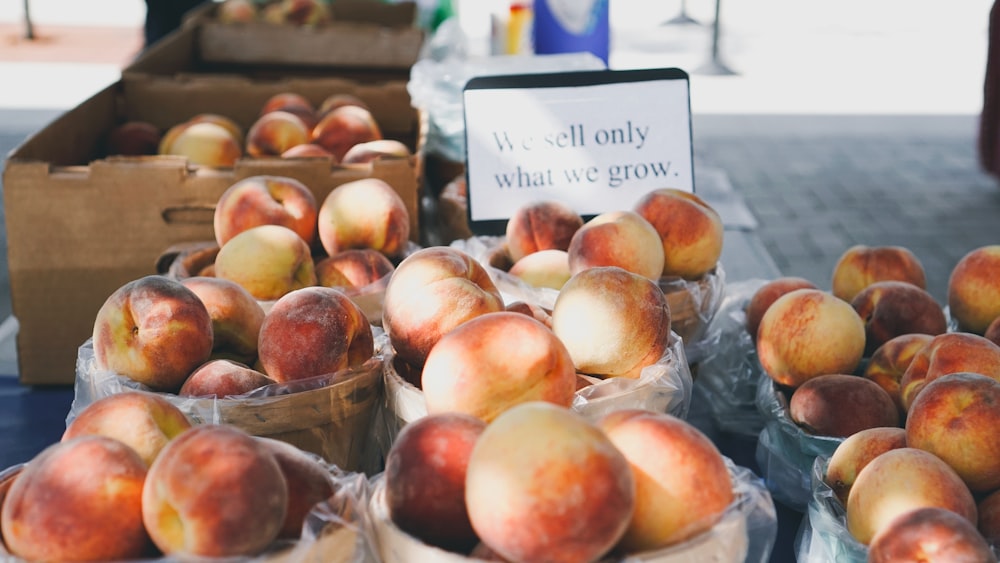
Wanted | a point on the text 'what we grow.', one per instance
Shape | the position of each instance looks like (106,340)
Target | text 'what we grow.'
(580,137)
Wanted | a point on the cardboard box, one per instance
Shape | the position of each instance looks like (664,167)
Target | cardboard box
(80,225)
(362,33)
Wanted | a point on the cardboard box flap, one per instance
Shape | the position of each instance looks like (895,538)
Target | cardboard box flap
(74,137)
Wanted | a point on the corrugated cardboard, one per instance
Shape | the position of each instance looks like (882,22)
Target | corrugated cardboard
(80,225)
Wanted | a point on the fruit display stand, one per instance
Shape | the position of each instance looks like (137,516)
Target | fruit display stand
(118,214)
(744,532)
(331,416)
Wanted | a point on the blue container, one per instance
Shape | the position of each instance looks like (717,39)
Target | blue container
(571,26)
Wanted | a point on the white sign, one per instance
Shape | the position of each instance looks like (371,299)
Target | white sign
(595,140)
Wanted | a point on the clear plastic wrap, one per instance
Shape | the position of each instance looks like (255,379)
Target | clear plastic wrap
(664,387)
(823,534)
(785,452)
(329,415)
(693,304)
(729,376)
(745,533)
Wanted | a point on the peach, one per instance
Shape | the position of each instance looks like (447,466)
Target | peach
(227,123)
(988,523)
(134,138)
(424,476)
(617,238)
(533,310)
(342,128)
(612,321)
(948,353)
(375,150)
(992,332)
(293,103)
(690,230)
(365,213)
(809,332)
(431,292)
(973,292)
(766,294)
(141,420)
(682,484)
(268,261)
(954,417)
(334,101)
(901,480)
(544,484)
(888,363)
(314,331)
(494,361)
(223,378)
(274,132)
(305,12)
(205,144)
(153,330)
(78,500)
(544,268)
(893,308)
(930,534)
(236,11)
(860,266)
(839,405)
(308,150)
(541,225)
(265,200)
(855,452)
(353,268)
(214,491)
(236,315)
(308,479)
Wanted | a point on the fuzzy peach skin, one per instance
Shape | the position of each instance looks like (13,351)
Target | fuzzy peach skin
(951,352)
(236,315)
(308,150)
(767,294)
(265,200)
(893,308)
(275,132)
(613,322)
(682,485)
(617,238)
(889,361)
(973,292)
(375,150)
(205,144)
(365,213)
(492,362)
(855,452)
(955,418)
(334,101)
(809,332)
(353,268)
(309,482)
(544,268)
(170,135)
(78,500)
(214,491)
(293,103)
(314,331)
(839,405)
(901,480)
(425,473)
(340,129)
(268,261)
(930,534)
(133,138)
(223,378)
(989,516)
(860,266)
(144,421)
(154,331)
(540,225)
(690,230)
(544,484)
(432,291)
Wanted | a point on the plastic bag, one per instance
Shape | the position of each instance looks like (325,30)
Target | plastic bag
(745,532)
(729,376)
(823,534)
(329,415)
(785,452)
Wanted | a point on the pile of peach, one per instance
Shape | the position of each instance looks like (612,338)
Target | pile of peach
(288,12)
(341,129)
(873,362)
(132,478)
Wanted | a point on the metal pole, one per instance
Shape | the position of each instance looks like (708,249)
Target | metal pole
(29,29)
(682,18)
(715,64)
